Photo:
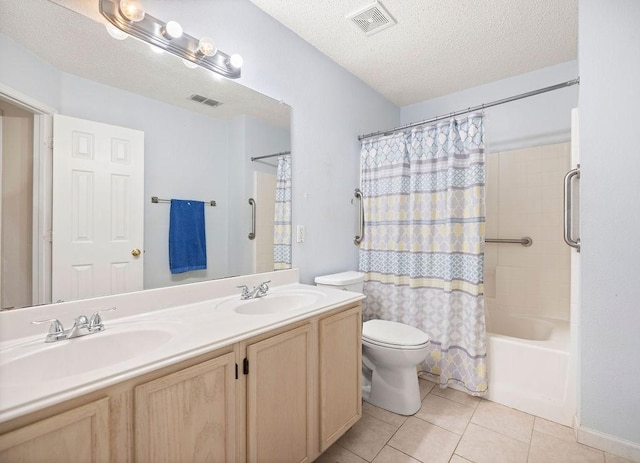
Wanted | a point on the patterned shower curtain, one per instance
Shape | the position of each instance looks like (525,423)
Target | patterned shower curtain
(282,218)
(423,246)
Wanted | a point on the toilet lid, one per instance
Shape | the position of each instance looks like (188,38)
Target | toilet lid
(393,334)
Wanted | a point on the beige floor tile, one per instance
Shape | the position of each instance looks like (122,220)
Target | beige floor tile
(367,437)
(458,459)
(445,413)
(505,420)
(482,445)
(424,441)
(337,454)
(548,449)
(610,458)
(384,415)
(457,396)
(554,429)
(425,387)
(391,455)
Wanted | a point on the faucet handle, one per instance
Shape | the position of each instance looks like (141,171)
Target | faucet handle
(56,330)
(263,288)
(245,291)
(95,322)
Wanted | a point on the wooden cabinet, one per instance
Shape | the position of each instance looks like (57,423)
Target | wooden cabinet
(78,435)
(300,393)
(188,416)
(279,405)
(340,374)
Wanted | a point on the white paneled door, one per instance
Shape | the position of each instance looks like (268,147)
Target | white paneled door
(98,209)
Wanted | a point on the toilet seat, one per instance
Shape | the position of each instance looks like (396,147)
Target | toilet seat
(393,335)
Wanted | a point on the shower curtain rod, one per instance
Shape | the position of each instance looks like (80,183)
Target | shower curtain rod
(256,158)
(551,88)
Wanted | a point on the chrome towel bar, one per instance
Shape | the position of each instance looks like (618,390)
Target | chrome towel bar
(156,200)
(526,241)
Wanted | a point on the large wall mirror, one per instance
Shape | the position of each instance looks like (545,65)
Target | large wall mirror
(60,56)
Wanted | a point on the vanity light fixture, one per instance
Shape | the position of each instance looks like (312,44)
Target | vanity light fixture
(115,32)
(129,17)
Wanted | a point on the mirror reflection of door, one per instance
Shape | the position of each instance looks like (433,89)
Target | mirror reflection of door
(98,209)
(16,185)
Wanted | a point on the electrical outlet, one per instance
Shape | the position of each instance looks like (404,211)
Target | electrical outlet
(299,233)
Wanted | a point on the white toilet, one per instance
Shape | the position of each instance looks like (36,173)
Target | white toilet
(390,353)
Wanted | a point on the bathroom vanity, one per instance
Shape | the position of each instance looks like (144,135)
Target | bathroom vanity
(218,379)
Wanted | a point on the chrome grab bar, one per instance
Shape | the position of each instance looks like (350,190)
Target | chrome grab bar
(568,208)
(526,241)
(358,238)
(252,203)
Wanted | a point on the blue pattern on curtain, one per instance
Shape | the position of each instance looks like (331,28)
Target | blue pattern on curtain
(282,217)
(423,246)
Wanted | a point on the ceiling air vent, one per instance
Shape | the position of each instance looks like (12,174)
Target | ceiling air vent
(204,100)
(372,18)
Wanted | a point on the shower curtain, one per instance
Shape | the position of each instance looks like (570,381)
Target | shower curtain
(423,246)
(282,218)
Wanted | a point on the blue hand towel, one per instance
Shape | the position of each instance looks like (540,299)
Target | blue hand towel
(187,243)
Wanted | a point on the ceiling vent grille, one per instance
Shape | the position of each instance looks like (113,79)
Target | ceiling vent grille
(371,19)
(204,100)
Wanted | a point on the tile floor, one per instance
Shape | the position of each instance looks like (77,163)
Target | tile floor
(453,427)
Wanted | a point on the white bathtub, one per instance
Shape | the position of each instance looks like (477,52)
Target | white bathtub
(529,365)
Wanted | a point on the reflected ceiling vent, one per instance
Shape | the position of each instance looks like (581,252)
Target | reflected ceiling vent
(204,100)
(372,19)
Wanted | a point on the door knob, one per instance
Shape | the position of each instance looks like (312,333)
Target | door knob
(135,252)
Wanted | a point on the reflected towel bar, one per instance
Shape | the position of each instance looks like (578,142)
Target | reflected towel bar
(526,241)
(156,200)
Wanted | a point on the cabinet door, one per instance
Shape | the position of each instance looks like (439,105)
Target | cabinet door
(340,374)
(188,416)
(279,388)
(78,435)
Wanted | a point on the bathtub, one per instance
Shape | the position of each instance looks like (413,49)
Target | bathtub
(528,365)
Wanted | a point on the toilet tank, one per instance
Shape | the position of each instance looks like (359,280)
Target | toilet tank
(346,281)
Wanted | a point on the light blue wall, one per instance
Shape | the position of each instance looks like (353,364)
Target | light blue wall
(609,51)
(25,72)
(534,121)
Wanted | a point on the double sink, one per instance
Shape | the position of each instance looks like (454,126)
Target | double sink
(33,361)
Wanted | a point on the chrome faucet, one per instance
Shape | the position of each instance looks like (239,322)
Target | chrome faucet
(257,291)
(82,326)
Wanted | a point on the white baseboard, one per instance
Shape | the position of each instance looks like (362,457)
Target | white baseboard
(607,443)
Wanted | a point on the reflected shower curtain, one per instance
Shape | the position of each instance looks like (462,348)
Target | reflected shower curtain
(423,246)
(282,218)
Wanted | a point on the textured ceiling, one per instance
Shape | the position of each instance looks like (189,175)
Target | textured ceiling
(83,48)
(437,47)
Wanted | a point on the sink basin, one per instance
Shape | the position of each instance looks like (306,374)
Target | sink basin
(63,359)
(273,302)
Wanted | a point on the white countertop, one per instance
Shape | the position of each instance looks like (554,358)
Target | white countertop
(35,374)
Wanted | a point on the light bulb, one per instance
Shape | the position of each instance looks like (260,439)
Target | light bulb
(235,61)
(206,46)
(132,10)
(115,32)
(172,30)
(189,64)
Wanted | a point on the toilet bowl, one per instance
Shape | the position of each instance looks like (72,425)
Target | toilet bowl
(390,353)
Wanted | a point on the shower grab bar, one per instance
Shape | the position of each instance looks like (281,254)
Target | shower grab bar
(252,203)
(526,241)
(568,208)
(358,238)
